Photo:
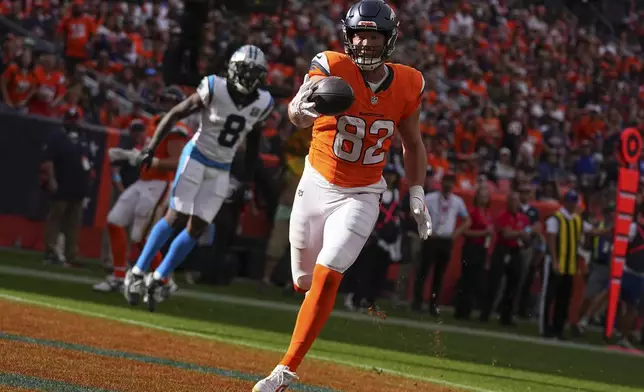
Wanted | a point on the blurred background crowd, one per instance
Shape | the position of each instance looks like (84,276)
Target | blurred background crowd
(516,90)
(521,95)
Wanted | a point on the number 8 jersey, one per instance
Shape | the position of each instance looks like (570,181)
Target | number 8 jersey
(349,150)
(224,125)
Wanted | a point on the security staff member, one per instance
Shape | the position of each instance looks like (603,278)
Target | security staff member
(512,228)
(564,231)
(66,171)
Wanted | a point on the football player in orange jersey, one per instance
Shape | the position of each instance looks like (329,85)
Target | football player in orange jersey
(337,201)
(136,206)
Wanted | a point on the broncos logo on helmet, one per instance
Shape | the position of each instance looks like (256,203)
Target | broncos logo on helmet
(370,15)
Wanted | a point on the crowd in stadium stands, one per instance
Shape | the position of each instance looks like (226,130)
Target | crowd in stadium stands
(518,95)
(525,95)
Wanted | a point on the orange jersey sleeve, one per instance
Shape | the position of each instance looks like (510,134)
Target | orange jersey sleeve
(350,150)
(161,152)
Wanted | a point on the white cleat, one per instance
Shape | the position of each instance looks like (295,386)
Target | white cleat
(109,285)
(279,379)
(133,287)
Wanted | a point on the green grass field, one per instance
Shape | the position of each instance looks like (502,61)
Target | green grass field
(462,359)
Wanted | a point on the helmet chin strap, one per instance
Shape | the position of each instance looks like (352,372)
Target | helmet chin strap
(369,67)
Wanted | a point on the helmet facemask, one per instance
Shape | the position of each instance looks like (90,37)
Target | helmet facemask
(368,57)
(245,76)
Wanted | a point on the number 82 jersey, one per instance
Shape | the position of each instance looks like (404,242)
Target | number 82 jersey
(223,125)
(349,150)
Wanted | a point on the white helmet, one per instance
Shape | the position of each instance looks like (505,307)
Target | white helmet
(247,69)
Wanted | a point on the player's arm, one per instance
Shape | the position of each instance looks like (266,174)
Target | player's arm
(414,153)
(299,109)
(188,106)
(415,158)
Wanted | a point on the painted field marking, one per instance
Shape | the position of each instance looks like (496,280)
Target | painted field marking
(339,314)
(241,342)
(22,381)
(151,360)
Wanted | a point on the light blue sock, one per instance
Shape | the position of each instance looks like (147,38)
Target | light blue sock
(158,237)
(179,249)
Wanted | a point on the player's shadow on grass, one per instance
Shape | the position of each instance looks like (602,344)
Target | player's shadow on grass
(374,334)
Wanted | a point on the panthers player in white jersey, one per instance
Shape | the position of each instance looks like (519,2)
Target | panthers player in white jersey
(231,108)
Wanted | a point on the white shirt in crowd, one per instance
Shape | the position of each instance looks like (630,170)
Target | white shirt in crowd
(461,25)
(444,212)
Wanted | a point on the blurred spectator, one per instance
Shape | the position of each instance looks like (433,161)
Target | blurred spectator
(50,87)
(18,83)
(77,30)
(369,273)
(597,283)
(530,253)
(474,254)
(512,228)
(445,208)
(67,175)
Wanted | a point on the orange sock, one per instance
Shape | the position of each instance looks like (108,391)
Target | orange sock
(314,312)
(118,242)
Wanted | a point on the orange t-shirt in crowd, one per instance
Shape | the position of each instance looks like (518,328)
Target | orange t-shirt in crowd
(124,122)
(464,141)
(107,69)
(349,150)
(438,164)
(161,151)
(108,119)
(77,32)
(49,87)
(587,129)
(19,82)
(62,109)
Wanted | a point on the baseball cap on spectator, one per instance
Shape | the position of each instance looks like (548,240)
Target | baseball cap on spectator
(571,196)
(137,126)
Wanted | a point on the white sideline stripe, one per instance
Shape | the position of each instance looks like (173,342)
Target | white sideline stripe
(238,342)
(272,305)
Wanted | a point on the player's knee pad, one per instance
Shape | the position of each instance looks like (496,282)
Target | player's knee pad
(338,259)
(361,220)
(301,268)
(302,283)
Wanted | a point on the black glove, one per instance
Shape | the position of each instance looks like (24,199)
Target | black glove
(145,158)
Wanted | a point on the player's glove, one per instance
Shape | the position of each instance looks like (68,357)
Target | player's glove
(300,105)
(419,211)
(145,158)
